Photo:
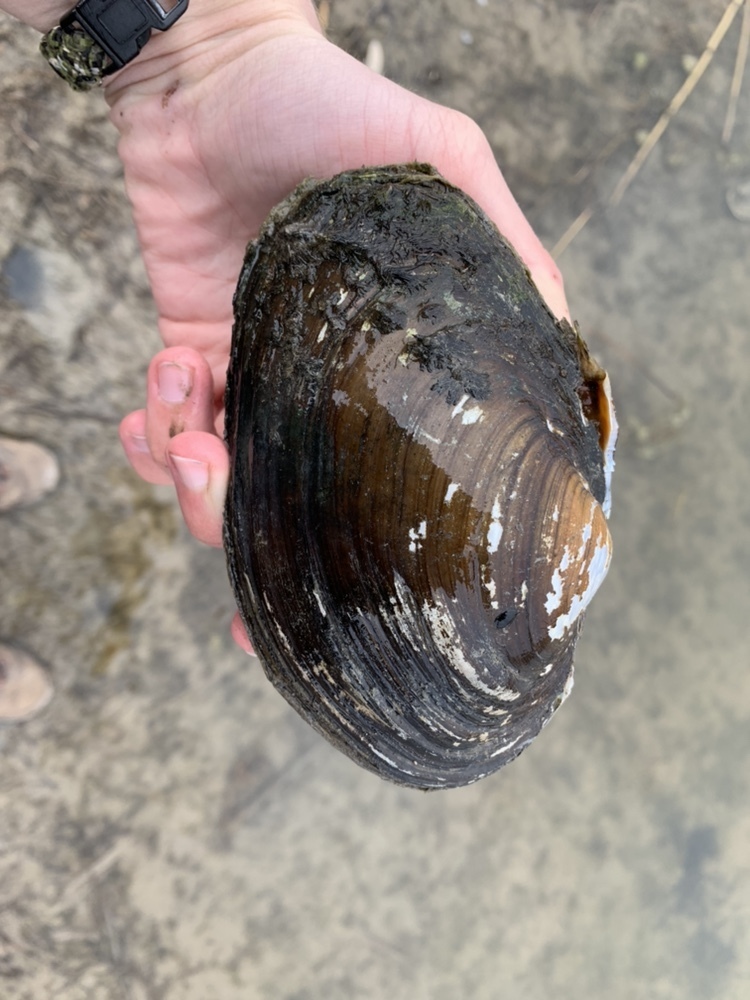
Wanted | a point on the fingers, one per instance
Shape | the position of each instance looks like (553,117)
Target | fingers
(173,440)
(199,465)
(135,445)
(179,398)
(240,636)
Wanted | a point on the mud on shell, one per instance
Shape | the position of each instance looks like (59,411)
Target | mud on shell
(416,518)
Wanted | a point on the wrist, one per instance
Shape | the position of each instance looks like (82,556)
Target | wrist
(210,34)
(40,14)
(195,34)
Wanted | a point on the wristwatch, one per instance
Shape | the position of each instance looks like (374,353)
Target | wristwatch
(100,36)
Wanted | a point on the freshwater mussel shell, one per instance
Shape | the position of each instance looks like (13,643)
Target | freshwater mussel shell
(419,476)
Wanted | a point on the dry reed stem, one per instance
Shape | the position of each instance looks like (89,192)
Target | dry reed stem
(659,128)
(739,72)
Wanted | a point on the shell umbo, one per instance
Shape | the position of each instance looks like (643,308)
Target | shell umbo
(420,457)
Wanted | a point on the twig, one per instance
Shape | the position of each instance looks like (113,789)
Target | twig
(739,72)
(658,130)
(324,14)
(677,101)
(572,231)
(81,882)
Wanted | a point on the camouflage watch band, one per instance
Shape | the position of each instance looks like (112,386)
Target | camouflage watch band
(100,36)
(75,56)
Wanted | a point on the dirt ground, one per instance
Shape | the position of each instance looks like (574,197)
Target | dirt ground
(169,829)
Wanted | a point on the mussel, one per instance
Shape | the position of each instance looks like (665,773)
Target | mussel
(420,465)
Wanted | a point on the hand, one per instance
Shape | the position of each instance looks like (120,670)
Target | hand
(213,135)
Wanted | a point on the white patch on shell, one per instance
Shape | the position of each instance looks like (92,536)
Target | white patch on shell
(320,669)
(319,599)
(495,530)
(383,757)
(554,430)
(429,437)
(588,576)
(343,292)
(597,570)
(452,302)
(459,407)
(507,746)
(555,596)
(447,640)
(451,492)
(323,331)
(443,630)
(567,689)
(497,713)
(473,416)
(563,696)
(415,537)
(609,448)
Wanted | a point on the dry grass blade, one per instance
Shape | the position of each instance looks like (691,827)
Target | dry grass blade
(739,72)
(659,128)
(676,103)
(572,231)
(81,882)
(324,14)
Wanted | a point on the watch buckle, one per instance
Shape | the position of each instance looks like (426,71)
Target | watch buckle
(122,27)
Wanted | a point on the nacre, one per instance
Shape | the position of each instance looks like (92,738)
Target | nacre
(420,460)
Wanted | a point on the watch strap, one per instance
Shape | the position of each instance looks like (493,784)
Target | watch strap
(98,37)
(75,56)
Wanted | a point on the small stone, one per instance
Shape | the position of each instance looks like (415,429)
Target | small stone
(640,61)
(466,37)
(738,199)
(375,56)
(25,687)
(689,62)
(27,472)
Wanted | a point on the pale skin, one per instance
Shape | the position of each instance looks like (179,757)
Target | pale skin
(220,118)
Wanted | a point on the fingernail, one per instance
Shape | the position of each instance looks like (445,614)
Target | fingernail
(175,382)
(139,443)
(192,473)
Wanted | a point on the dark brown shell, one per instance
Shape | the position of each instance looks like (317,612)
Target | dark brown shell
(420,454)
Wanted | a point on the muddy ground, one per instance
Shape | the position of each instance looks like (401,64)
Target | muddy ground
(169,829)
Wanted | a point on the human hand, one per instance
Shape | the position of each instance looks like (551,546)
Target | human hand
(219,125)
